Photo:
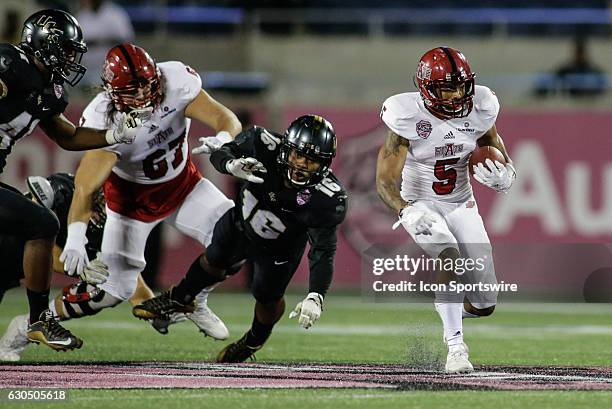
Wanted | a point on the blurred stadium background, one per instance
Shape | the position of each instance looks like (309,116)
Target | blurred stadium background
(548,61)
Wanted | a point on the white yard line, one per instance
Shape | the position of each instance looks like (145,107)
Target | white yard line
(479,328)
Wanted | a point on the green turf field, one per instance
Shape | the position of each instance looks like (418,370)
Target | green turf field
(350,331)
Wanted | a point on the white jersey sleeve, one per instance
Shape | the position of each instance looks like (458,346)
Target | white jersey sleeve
(399,113)
(183,83)
(94,114)
(486,106)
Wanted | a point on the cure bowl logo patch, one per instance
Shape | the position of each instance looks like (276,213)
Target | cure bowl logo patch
(303,197)
(423,129)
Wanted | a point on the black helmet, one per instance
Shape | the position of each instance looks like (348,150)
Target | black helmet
(55,192)
(312,137)
(56,39)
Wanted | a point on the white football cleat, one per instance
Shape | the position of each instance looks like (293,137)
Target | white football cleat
(14,340)
(206,320)
(161,324)
(457,360)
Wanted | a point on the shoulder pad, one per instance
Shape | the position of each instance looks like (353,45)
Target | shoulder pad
(11,57)
(14,66)
(182,82)
(332,206)
(95,113)
(271,140)
(486,105)
(399,113)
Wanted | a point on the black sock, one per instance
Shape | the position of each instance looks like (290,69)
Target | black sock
(195,281)
(39,301)
(259,333)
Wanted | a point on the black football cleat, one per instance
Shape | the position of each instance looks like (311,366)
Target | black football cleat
(48,331)
(238,351)
(161,307)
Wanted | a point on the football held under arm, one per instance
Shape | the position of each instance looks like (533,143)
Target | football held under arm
(492,138)
(495,175)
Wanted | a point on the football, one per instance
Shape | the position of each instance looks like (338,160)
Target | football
(481,153)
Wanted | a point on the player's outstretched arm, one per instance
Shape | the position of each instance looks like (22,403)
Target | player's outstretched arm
(206,109)
(73,138)
(237,158)
(323,242)
(93,170)
(391,158)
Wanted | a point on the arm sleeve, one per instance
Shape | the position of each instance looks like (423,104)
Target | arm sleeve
(242,146)
(323,242)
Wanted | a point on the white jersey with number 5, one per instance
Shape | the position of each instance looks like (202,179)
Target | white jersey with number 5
(436,166)
(159,152)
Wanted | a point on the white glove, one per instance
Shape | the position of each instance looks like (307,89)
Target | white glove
(128,126)
(212,143)
(243,168)
(74,255)
(498,178)
(95,272)
(308,310)
(417,218)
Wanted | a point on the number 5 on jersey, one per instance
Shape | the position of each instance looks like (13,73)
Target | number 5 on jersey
(448,177)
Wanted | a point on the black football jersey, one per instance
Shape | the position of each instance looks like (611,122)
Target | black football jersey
(61,209)
(12,247)
(272,214)
(25,98)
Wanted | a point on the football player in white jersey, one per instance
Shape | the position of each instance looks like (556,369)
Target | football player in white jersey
(148,181)
(432,133)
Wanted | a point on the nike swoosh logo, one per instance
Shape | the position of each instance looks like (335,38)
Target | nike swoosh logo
(65,342)
(46,109)
(278,263)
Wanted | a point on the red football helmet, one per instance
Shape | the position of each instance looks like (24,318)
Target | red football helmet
(445,69)
(131,78)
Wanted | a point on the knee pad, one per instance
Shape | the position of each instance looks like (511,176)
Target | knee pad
(82,299)
(483,309)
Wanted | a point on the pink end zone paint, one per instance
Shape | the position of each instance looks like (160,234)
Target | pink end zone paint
(207,375)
